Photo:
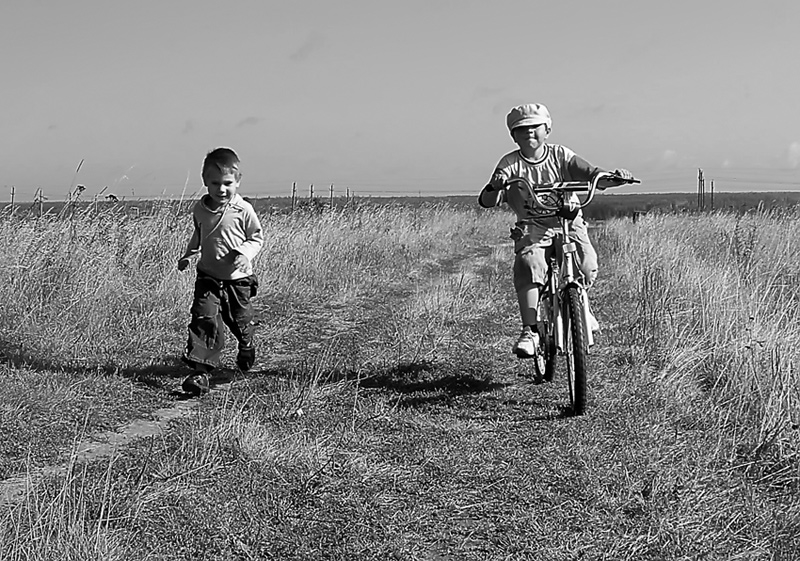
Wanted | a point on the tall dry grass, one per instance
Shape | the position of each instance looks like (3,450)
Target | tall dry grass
(717,312)
(92,290)
(100,289)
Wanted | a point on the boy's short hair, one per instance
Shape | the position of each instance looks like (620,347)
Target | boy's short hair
(224,159)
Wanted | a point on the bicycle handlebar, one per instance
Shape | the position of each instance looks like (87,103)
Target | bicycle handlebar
(536,191)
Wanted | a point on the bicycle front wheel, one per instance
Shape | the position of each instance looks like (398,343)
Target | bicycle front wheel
(576,350)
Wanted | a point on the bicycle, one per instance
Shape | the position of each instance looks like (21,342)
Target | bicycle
(563,308)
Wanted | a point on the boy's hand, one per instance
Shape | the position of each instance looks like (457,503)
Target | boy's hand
(623,173)
(241,262)
(183,262)
(497,183)
(623,177)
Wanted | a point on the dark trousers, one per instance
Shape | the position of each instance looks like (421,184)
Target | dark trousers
(218,303)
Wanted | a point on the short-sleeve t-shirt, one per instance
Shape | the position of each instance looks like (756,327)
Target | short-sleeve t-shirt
(559,163)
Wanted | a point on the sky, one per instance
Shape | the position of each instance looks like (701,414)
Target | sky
(380,97)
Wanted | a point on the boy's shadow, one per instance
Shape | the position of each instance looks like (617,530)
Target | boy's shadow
(164,377)
(155,376)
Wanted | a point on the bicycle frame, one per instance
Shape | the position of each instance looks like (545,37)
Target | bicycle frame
(564,326)
(563,256)
(563,261)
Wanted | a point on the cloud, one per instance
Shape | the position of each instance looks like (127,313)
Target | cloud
(793,155)
(188,127)
(311,45)
(668,158)
(248,121)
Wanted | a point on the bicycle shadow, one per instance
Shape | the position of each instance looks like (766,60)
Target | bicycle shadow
(425,383)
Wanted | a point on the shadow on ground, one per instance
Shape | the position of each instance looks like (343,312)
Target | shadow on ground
(18,356)
(156,376)
(427,383)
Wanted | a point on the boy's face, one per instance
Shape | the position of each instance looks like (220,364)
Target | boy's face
(221,185)
(530,138)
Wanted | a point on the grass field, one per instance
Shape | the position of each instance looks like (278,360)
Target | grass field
(386,417)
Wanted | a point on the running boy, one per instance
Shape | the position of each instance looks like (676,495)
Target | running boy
(227,235)
(538,162)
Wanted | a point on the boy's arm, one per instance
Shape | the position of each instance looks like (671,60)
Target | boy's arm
(494,193)
(192,248)
(581,170)
(254,236)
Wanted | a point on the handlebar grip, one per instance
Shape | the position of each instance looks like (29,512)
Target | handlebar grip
(622,179)
(616,181)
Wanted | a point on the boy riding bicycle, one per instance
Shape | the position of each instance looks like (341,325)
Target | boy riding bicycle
(539,163)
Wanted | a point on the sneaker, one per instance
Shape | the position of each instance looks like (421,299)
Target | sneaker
(593,323)
(527,344)
(246,358)
(187,361)
(196,384)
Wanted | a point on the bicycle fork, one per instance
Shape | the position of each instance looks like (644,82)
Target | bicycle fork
(567,280)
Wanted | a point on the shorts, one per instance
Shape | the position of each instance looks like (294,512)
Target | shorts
(534,249)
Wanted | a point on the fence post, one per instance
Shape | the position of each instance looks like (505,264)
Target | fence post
(701,195)
(38,200)
(331,196)
(712,194)
(294,193)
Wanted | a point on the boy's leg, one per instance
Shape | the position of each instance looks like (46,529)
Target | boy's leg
(237,312)
(530,269)
(206,335)
(587,256)
(587,264)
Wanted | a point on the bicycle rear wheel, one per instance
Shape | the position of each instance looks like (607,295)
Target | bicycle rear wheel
(546,353)
(576,350)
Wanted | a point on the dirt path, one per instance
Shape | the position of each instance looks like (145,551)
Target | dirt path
(102,446)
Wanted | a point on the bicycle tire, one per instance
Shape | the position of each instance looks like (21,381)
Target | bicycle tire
(546,354)
(576,350)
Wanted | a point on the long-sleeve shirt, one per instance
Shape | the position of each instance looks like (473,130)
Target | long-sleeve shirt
(219,235)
